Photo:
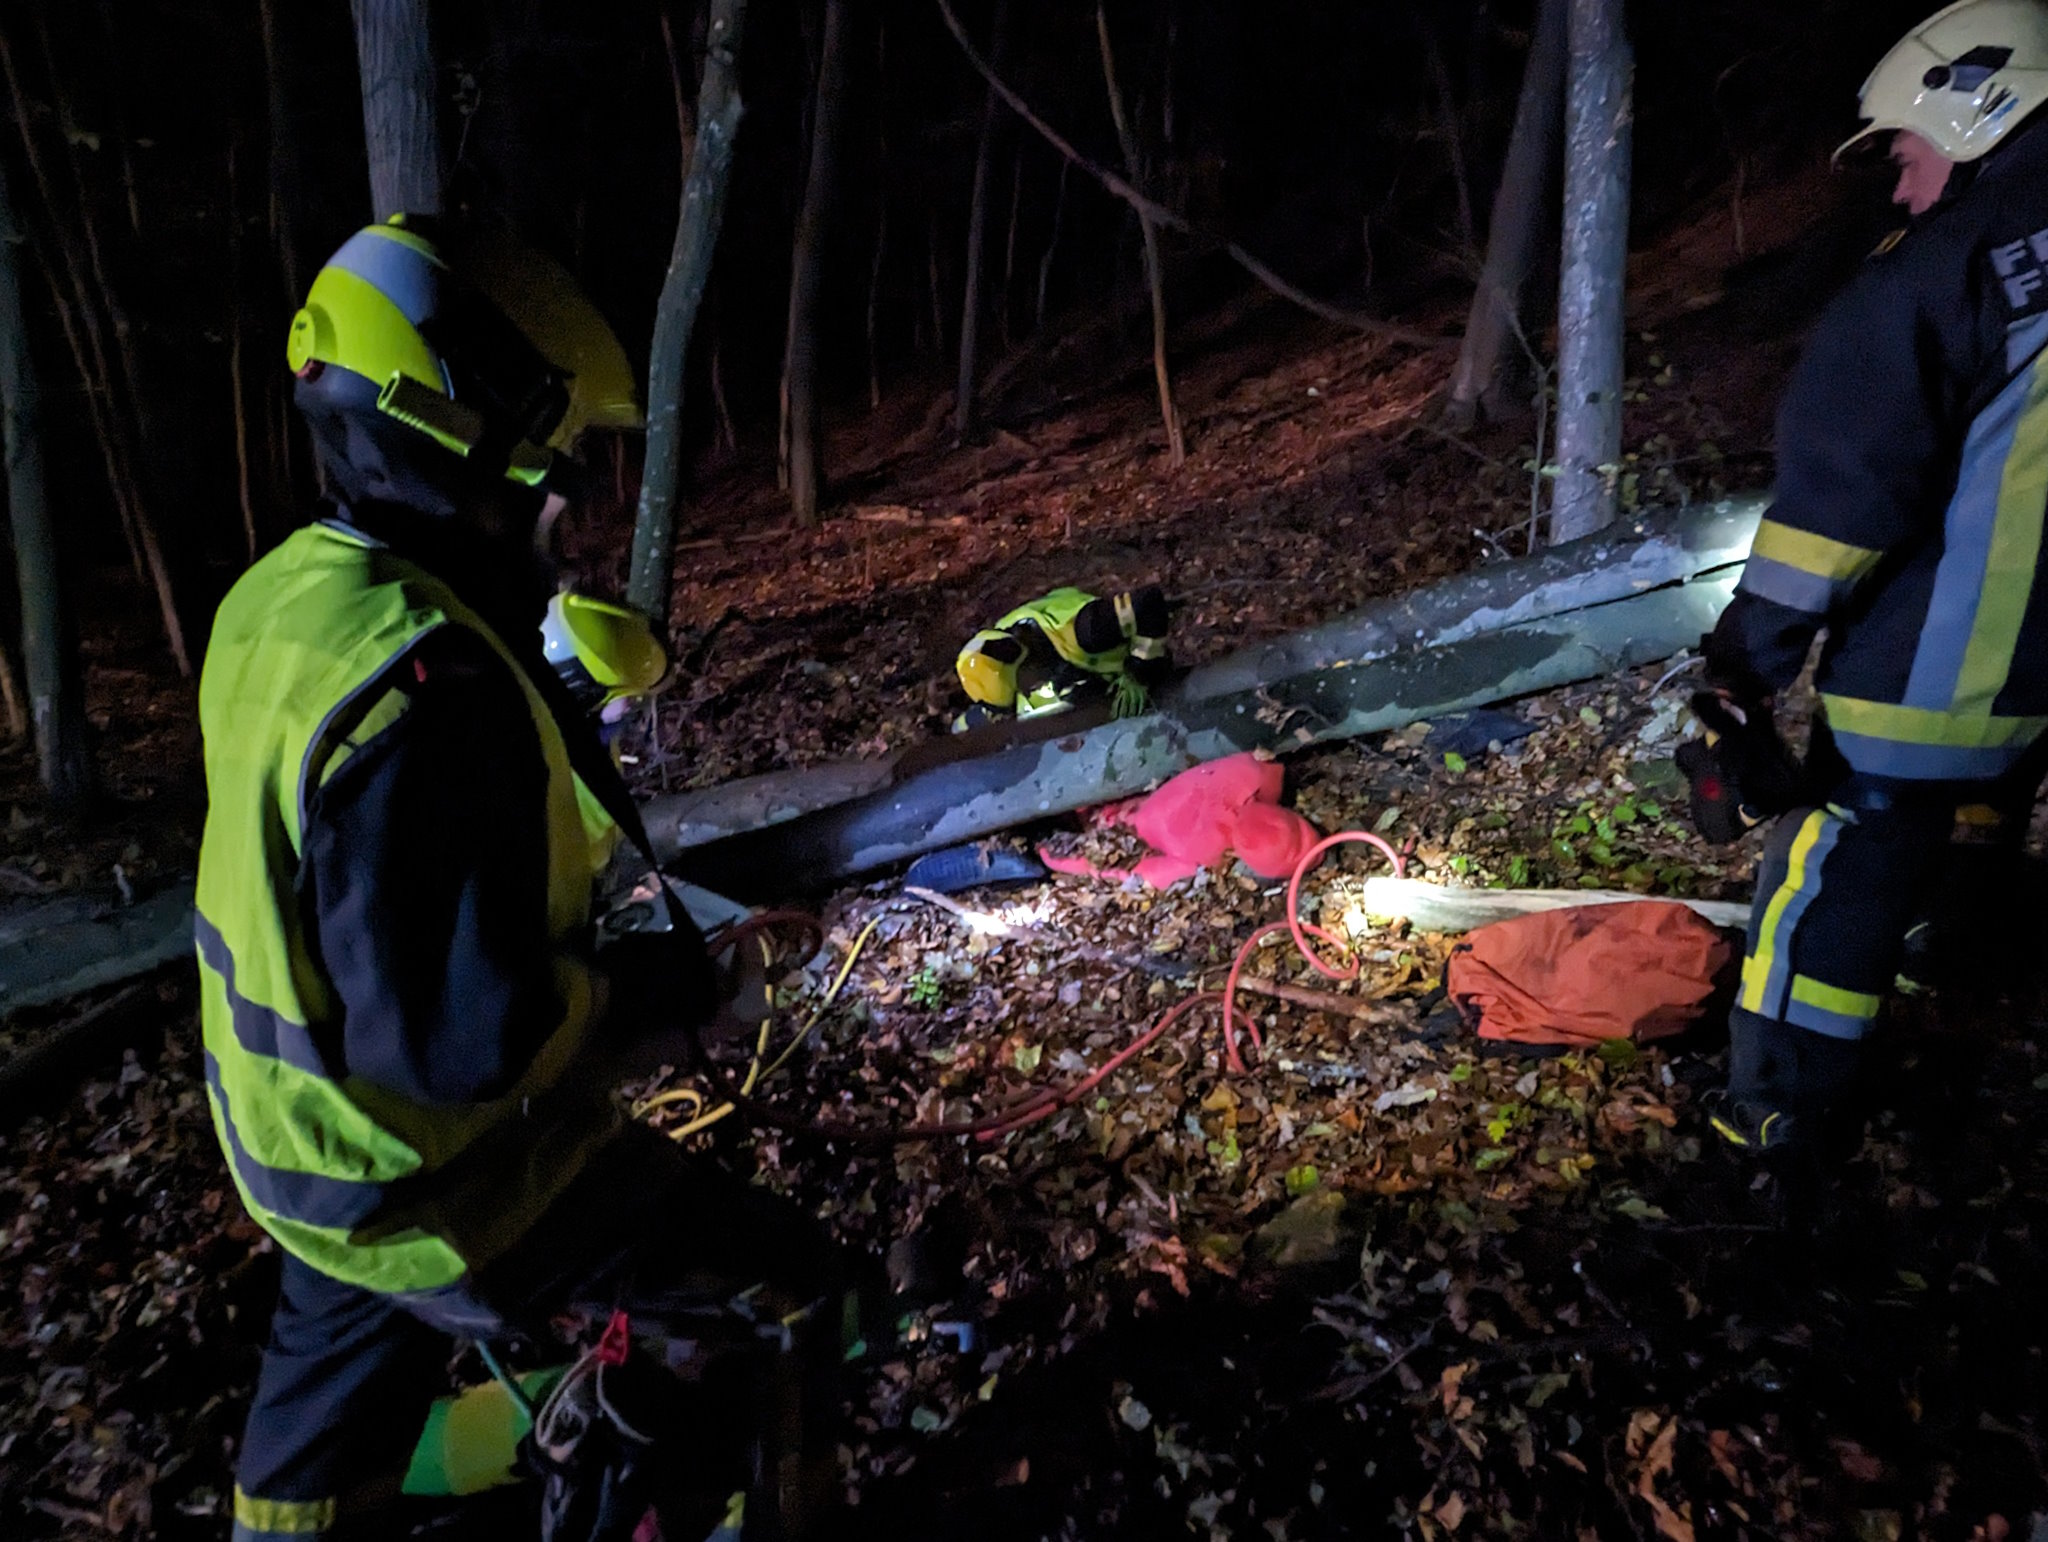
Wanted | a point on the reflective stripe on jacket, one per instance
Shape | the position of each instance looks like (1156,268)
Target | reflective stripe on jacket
(360,1182)
(1912,490)
(1053,615)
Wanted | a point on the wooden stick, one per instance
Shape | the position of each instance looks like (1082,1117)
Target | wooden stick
(1148,229)
(1158,212)
(237,391)
(1010,246)
(977,243)
(10,695)
(1052,246)
(1320,1001)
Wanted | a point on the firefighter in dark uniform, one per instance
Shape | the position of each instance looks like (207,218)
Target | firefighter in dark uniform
(1065,648)
(409,1035)
(1907,526)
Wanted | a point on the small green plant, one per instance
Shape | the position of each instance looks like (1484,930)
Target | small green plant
(926,989)
(1605,844)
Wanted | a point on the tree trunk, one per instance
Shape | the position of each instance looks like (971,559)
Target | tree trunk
(100,411)
(83,939)
(1516,230)
(807,275)
(238,393)
(977,239)
(56,697)
(286,172)
(686,115)
(10,696)
(1155,280)
(1451,126)
(938,287)
(875,262)
(728,435)
(1003,305)
(121,429)
(289,179)
(1590,301)
(651,572)
(401,124)
(110,30)
(881,248)
(1479,637)
(1052,247)
(1003,777)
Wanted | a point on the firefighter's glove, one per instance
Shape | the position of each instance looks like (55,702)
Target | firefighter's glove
(1128,697)
(977,716)
(1738,771)
(660,980)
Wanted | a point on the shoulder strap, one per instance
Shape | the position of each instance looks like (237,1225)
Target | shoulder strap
(587,758)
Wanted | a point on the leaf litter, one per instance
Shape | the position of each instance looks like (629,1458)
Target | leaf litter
(1384,1283)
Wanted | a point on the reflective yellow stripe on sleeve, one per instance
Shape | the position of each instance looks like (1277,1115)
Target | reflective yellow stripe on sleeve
(1926,725)
(283,1517)
(1810,553)
(2013,562)
(1832,998)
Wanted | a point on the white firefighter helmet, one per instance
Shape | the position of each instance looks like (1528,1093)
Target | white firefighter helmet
(1963,79)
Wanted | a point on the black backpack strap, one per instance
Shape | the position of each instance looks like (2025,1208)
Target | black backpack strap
(590,761)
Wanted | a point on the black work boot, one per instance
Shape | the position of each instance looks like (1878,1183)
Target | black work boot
(1787,1086)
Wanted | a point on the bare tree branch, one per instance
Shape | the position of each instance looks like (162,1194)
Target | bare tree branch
(1162,215)
(1155,280)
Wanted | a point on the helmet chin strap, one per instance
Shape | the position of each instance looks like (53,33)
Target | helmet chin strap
(372,456)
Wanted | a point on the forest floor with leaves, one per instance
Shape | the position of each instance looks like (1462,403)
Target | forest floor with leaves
(1385,1282)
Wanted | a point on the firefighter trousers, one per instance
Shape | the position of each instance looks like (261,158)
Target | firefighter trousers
(1841,885)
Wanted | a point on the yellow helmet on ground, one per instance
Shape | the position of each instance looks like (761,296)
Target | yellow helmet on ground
(1963,79)
(603,652)
(412,348)
(987,667)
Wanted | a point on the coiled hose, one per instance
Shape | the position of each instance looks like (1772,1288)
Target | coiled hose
(1044,1102)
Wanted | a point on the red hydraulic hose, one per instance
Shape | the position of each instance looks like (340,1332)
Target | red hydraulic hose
(1043,1104)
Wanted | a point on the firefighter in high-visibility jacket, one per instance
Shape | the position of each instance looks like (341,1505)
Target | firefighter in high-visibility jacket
(1063,649)
(1907,527)
(409,1036)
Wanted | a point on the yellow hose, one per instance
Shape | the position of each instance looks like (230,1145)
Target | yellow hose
(757,1073)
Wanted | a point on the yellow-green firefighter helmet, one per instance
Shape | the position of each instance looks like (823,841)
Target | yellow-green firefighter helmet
(603,652)
(491,352)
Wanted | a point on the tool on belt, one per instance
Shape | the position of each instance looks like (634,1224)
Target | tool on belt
(1738,770)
